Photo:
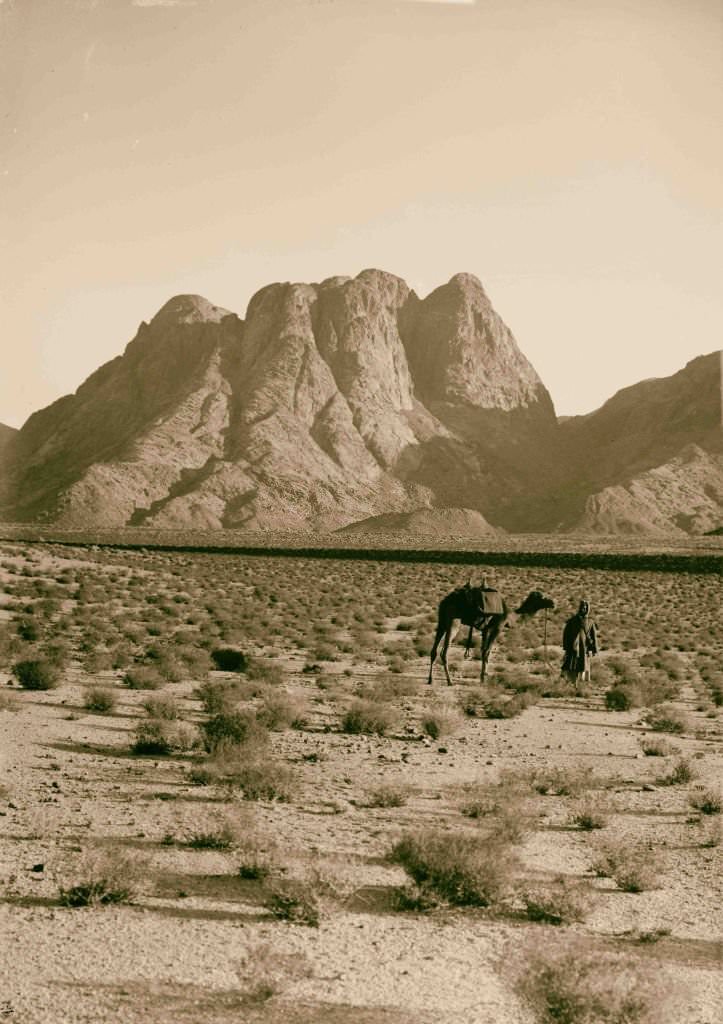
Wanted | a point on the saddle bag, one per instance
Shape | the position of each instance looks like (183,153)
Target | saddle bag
(491,602)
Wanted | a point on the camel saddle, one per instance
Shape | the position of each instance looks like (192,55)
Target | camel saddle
(481,602)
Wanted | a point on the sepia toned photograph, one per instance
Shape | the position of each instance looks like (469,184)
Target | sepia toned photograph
(361,512)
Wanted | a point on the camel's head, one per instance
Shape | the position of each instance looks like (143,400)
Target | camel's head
(535,602)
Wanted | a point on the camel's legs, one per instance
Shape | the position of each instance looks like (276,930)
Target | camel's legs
(446,633)
(443,655)
(490,632)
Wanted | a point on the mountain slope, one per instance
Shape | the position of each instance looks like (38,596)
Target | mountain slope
(338,402)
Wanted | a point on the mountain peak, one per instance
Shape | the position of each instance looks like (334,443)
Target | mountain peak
(191,309)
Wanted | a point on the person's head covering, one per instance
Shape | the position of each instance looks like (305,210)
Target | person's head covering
(584,608)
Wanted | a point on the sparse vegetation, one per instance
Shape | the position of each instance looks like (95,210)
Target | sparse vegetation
(462,869)
(633,867)
(99,698)
(581,987)
(36,674)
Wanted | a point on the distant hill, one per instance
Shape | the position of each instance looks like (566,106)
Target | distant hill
(352,401)
(426,522)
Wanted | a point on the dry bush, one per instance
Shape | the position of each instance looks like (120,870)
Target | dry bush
(224,836)
(560,901)
(144,677)
(657,747)
(103,877)
(228,659)
(681,773)
(163,706)
(264,973)
(263,670)
(508,707)
(294,901)
(364,716)
(438,722)
(386,689)
(590,813)
(247,767)
(231,729)
(216,696)
(707,801)
(666,718)
(36,674)
(462,869)
(157,737)
(279,711)
(632,866)
(257,859)
(578,987)
(501,809)
(559,781)
(387,796)
(413,899)
(99,698)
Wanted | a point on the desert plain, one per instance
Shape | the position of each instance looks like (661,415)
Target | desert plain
(229,794)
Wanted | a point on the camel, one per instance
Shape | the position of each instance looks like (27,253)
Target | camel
(482,609)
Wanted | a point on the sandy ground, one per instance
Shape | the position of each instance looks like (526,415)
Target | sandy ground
(197,938)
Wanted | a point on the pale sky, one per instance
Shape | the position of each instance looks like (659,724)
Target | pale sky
(567,152)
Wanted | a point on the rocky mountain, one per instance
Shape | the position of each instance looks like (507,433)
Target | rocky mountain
(649,460)
(338,402)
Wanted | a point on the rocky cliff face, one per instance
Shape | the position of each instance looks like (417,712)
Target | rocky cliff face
(649,459)
(336,402)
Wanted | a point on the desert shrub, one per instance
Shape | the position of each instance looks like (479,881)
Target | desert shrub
(164,707)
(28,630)
(216,696)
(666,718)
(575,987)
(156,737)
(387,796)
(500,809)
(681,773)
(562,781)
(279,711)
(223,837)
(558,902)
(466,870)
(294,901)
(386,689)
(508,707)
(228,659)
(367,717)
(413,899)
(657,747)
(36,674)
(437,722)
(263,780)
(165,663)
(97,661)
(707,801)
(633,867)
(99,698)
(232,728)
(471,702)
(256,860)
(143,677)
(263,670)
(621,698)
(589,813)
(103,877)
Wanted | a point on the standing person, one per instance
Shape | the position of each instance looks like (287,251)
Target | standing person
(579,642)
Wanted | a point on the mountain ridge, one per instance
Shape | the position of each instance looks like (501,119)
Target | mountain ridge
(352,398)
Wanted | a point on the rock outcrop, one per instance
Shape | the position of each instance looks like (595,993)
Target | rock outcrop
(355,400)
